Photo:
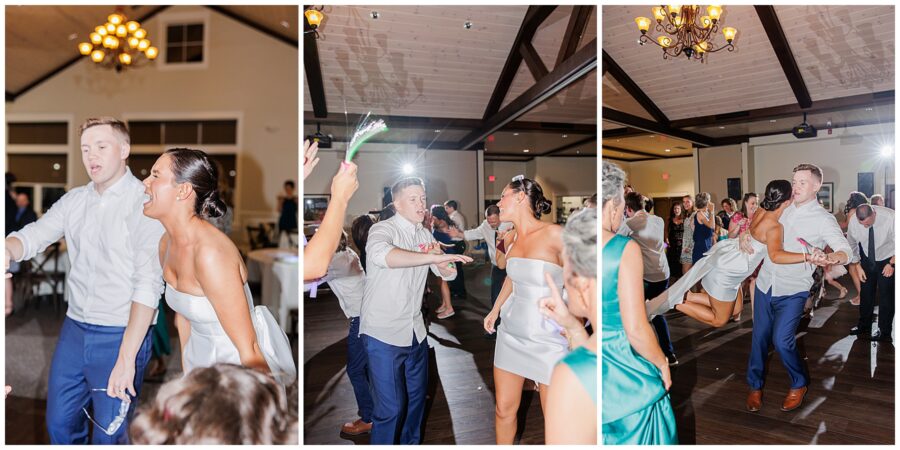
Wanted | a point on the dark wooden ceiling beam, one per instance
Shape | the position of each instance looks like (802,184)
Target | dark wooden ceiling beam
(578,21)
(610,65)
(782,49)
(622,133)
(441,123)
(571,70)
(533,61)
(11,97)
(635,152)
(313,68)
(629,120)
(534,17)
(775,112)
(570,145)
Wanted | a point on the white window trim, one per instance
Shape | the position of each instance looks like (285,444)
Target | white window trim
(166,19)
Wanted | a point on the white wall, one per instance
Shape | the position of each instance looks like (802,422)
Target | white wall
(503,171)
(841,156)
(249,75)
(647,176)
(448,175)
(564,176)
(717,165)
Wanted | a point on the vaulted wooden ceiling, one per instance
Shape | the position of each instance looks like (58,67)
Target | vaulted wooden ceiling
(520,78)
(42,40)
(834,62)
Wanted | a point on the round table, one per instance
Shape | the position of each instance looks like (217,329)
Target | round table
(278,271)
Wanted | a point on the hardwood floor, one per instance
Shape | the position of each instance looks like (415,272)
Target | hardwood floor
(850,398)
(460,409)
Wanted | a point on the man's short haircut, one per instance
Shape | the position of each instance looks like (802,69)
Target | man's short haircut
(863,212)
(492,210)
(452,204)
(119,127)
(634,201)
(814,169)
(405,183)
(290,183)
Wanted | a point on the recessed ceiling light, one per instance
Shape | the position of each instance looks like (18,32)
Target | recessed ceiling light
(773,121)
(668,150)
(73,36)
(652,135)
(577,152)
(526,150)
(437,131)
(721,128)
(515,134)
(285,24)
(868,109)
(565,136)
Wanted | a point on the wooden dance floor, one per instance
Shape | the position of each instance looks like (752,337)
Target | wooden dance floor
(460,408)
(850,398)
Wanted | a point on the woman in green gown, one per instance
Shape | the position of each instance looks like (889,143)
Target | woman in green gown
(636,407)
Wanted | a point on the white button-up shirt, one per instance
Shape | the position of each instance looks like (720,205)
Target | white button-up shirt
(458,219)
(489,235)
(113,250)
(392,304)
(649,233)
(347,280)
(858,235)
(819,228)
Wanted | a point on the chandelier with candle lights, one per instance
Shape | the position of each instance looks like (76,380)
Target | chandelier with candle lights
(683,31)
(119,43)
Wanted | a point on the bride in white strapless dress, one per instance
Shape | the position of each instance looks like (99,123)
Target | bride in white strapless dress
(205,280)
(724,267)
(528,345)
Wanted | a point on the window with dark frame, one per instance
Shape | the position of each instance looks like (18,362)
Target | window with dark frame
(184,43)
(183,132)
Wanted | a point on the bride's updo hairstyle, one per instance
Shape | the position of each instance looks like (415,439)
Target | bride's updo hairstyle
(534,192)
(777,192)
(195,167)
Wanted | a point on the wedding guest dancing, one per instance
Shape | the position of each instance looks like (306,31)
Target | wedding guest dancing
(206,280)
(400,251)
(636,377)
(528,345)
(782,290)
(872,241)
(854,201)
(347,281)
(114,280)
(725,267)
(571,416)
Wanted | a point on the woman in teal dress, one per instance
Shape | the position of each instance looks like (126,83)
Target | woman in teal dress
(636,407)
(571,413)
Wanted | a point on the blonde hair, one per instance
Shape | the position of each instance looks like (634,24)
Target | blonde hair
(223,404)
(119,127)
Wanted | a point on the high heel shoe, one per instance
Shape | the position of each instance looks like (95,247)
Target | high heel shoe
(843,292)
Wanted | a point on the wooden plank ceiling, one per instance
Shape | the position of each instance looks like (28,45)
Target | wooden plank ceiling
(42,40)
(839,57)
(420,62)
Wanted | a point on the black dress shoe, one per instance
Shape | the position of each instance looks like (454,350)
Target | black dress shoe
(855,331)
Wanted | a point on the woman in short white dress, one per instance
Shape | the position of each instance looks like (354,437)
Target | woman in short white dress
(528,345)
(724,267)
(205,278)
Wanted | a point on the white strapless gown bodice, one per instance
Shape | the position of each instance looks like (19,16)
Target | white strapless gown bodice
(208,343)
(528,344)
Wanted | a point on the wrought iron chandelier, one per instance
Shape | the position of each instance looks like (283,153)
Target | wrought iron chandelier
(119,43)
(684,31)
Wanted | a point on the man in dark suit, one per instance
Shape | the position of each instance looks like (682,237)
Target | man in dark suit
(24,212)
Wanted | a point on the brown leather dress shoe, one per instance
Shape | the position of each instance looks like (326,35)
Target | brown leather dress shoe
(754,400)
(356,428)
(794,399)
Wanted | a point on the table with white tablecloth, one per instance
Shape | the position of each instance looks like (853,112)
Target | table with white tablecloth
(278,271)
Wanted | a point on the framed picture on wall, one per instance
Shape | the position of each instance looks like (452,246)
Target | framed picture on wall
(826,196)
(314,207)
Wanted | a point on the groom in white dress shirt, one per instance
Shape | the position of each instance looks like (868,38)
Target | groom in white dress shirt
(399,253)
(782,289)
(114,274)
